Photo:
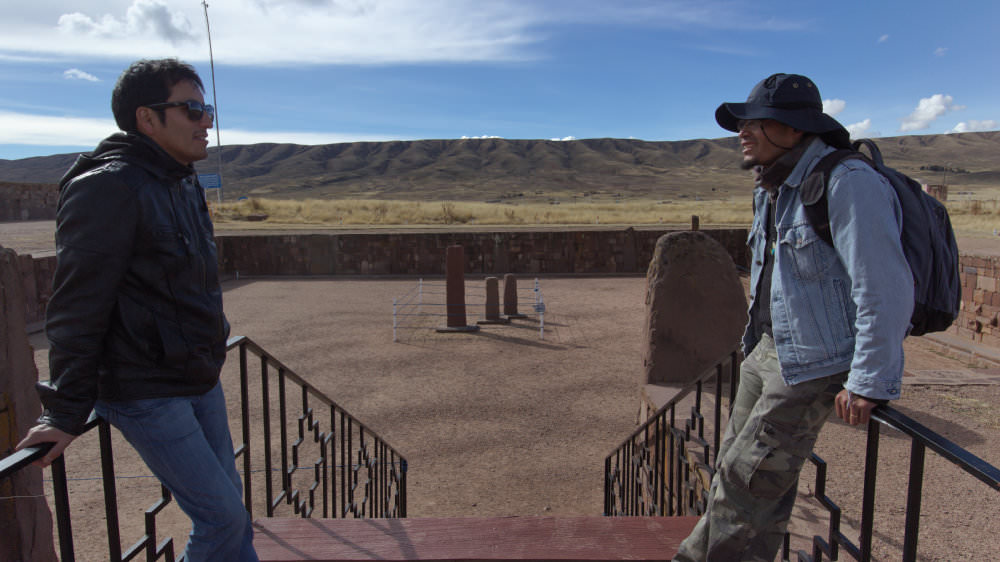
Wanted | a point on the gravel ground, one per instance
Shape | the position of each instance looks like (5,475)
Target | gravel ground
(503,422)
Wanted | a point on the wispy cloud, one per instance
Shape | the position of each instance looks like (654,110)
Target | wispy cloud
(883,38)
(281,32)
(940,51)
(48,130)
(567,138)
(927,111)
(972,126)
(77,74)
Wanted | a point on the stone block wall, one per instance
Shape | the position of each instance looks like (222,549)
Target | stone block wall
(28,201)
(534,252)
(979,315)
(36,284)
(496,253)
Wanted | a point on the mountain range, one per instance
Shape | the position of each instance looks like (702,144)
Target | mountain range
(495,169)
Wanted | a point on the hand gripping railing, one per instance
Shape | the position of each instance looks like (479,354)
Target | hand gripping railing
(665,468)
(921,438)
(354,473)
(60,491)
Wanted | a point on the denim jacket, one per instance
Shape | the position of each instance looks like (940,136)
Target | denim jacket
(845,308)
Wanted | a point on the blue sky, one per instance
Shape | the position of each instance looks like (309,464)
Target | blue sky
(324,71)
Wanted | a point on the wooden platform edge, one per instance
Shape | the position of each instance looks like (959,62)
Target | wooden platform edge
(487,539)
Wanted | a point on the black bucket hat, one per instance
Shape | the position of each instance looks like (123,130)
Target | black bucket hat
(791,99)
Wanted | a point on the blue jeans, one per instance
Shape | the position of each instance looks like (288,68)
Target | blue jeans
(185,442)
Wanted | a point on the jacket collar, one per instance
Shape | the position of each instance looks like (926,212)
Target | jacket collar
(815,149)
(777,173)
(134,148)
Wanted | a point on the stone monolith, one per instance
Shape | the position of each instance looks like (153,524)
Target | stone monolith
(696,308)
(24,513)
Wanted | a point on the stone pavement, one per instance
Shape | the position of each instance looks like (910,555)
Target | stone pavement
(961,361)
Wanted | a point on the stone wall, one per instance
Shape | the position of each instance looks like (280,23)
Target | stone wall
(528,252)
(535,252)
(978,317)
(36,285)
(28,201)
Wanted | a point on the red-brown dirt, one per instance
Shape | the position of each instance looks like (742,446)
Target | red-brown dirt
(503,422)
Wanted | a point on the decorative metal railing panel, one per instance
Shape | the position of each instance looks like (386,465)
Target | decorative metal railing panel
(317,459)
(921,438)
(665,468)
(349,471)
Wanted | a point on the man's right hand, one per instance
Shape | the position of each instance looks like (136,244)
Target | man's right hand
(42,433)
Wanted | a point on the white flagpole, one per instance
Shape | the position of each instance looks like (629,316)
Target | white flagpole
(215,102)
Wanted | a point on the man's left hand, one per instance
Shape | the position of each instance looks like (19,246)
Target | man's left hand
(854,409)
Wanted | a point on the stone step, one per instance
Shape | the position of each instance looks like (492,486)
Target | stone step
(491,538)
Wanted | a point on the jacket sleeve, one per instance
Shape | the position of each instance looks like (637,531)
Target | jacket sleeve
(866,221)
(95,228)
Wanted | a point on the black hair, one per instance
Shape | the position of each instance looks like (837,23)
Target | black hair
(146,82)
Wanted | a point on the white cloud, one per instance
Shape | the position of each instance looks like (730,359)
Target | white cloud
(282,32)
(972,126)
(483,137)
(77,74)
(927,111)
(833,107)
(883,38)
(48,130)
(940,51)
(861,129)
(143,18)
(275,32)
(569,138)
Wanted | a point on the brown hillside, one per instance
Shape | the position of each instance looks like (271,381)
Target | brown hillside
(490,169)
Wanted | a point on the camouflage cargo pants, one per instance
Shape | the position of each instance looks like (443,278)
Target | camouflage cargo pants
(770,435)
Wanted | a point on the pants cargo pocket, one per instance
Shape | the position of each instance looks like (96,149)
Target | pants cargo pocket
(774,461)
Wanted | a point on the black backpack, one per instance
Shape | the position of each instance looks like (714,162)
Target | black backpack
(927,237)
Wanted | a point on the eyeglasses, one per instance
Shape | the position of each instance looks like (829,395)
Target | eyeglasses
(195,109)
(749,124)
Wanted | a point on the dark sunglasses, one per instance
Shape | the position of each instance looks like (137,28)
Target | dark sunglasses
(195,109)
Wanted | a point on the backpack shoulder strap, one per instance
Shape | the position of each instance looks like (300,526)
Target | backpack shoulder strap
(813,191)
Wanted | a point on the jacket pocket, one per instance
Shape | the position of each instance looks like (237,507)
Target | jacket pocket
(772,464)
(810,255)
(133,336)
(175,351)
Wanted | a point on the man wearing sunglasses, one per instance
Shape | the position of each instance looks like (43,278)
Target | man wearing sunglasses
(827,321)
(135,323)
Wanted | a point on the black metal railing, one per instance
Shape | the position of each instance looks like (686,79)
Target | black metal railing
(665,468)
(353,472)
(921,439)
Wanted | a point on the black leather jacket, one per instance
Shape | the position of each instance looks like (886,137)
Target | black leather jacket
(136,309)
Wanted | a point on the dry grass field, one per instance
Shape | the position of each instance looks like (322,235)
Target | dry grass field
(973,213)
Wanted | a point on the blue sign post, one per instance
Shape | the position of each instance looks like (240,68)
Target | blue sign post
(211,181)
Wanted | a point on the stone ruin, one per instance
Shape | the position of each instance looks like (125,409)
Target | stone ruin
(696,309)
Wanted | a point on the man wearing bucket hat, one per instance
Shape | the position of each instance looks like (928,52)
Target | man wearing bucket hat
(826,322)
